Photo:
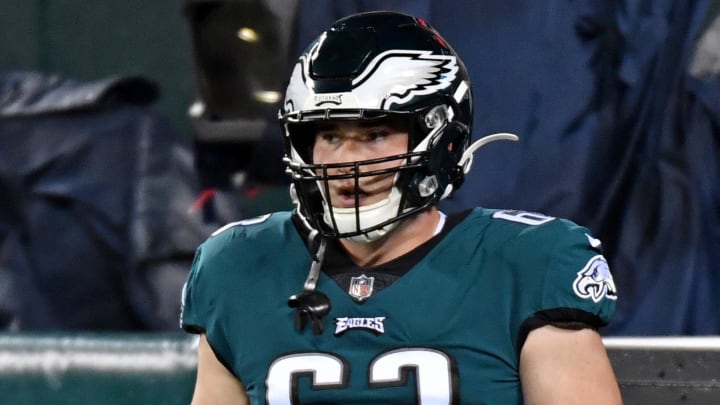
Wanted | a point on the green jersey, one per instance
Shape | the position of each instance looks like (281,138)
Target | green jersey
(449,330)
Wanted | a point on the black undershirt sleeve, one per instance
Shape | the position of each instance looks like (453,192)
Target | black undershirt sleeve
(566,318)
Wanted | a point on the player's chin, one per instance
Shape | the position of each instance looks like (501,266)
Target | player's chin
(349,201)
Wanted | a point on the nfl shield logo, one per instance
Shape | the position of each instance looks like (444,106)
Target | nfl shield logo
(361,287)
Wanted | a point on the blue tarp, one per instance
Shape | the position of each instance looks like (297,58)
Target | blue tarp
(95,188)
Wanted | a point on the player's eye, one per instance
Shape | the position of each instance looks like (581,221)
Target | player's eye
(328,137)
(376,134)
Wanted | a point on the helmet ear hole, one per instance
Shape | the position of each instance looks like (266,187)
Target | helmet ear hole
(458,141)
(430,184)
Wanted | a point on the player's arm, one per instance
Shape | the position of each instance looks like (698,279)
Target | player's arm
(215,384)
(567,366)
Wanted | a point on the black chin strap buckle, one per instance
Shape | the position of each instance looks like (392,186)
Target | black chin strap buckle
(310,307)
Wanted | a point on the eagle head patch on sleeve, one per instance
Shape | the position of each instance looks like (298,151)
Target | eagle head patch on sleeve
(595,281)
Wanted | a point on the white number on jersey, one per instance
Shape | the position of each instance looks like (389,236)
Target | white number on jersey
(244,222)
(523,217)
(433,374)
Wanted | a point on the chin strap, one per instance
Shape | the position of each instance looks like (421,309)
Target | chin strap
(311,305)
(467,157)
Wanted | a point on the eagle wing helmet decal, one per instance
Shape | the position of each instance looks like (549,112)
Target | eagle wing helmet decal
(405,74)
(392,77)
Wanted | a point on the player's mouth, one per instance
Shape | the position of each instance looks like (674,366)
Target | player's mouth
(346,197)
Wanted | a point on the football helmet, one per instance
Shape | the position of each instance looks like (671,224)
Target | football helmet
(376,66)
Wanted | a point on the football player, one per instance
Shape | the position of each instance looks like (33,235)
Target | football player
(367,293)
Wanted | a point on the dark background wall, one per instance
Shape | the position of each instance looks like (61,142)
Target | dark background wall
(91,39)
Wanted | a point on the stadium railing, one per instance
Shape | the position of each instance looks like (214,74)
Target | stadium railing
(159,369)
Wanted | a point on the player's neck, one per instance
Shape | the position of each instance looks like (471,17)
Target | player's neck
(408,235)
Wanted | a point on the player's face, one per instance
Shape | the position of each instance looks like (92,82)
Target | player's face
(352,141)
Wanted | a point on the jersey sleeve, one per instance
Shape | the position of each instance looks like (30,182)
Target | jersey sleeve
(578,276)
(224,268)
(189,319)
(204,294)
(576,288)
